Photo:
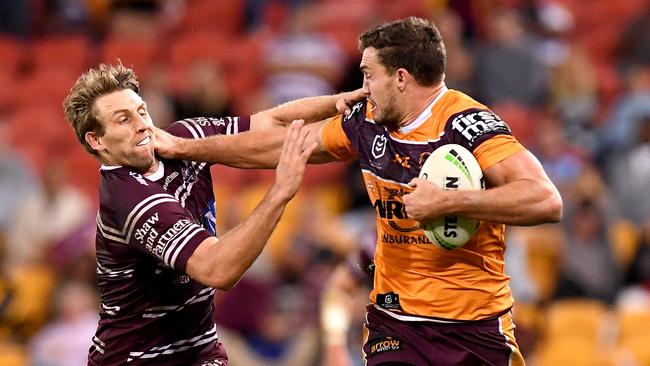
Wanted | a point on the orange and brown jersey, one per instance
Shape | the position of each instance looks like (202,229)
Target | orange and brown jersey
(412,276)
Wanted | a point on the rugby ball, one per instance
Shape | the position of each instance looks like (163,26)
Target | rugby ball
(454,167)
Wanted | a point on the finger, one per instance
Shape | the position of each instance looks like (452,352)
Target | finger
(293,133)
(300,141)
(414,182)
(308,151)
(342,106)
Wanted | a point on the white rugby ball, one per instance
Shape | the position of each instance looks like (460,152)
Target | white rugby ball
(454,167)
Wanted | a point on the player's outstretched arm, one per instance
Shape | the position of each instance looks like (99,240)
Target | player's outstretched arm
(522,195)
(311,109)
(250,149)
(220,263)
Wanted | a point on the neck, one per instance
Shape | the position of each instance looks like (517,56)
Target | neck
(416,102)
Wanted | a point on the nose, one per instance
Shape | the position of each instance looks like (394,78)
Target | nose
(366,88)
(141,123)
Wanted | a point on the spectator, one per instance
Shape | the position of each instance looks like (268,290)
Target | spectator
(507,69)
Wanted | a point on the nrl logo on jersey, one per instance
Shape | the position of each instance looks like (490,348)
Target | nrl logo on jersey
(379,146)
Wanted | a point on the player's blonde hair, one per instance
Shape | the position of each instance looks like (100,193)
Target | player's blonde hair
(79,104)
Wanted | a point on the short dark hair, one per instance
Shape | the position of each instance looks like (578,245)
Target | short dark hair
(79,104)
(411,43)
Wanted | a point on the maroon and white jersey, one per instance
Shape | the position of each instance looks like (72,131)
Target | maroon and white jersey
(147,228)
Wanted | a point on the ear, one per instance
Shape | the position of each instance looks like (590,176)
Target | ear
(402,78)
(94,141)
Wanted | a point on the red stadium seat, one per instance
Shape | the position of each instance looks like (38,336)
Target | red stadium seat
(195,46)
(133,53)
(45,87)
(61,52)
(84,172)
(12,54)
(224,16)
(38,132)
(7,90)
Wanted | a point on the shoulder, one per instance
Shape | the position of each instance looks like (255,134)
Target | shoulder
(469,122)
(200,127)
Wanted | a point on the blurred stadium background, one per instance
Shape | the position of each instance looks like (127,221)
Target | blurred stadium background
(571,77)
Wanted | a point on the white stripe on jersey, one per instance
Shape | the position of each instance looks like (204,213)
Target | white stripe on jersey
(98,345)
(111,310)
(120,235)
(174,240)
(160,311)
(189,187)
(172,263)
(384,179)
(179,346)
(158,201)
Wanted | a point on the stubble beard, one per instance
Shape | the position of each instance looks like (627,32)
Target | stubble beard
(389,116)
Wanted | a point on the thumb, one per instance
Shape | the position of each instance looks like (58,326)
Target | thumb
(414,182)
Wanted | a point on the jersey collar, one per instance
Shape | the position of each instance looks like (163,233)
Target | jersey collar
(424,115)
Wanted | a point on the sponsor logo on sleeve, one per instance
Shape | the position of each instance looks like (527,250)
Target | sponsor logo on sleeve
(169,235)
(476,123)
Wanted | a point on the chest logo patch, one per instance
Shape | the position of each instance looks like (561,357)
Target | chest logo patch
(379,146)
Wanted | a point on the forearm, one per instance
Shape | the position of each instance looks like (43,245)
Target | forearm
(246,150)
(238,248)
(523,202)
(311,109)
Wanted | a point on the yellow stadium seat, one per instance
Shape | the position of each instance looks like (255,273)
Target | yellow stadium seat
(576,318)
(575,352)
(13,355)
(634,334)
(624,236)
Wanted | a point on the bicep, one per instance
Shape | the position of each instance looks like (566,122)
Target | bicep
(522,165)
(200,265)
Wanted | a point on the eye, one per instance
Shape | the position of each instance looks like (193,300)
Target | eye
(143,112)
(123,119)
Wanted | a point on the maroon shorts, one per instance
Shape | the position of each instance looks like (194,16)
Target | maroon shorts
(389,341)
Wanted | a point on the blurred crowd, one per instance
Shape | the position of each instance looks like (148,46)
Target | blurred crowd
(571,78)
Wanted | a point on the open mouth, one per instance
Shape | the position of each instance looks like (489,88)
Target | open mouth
(144,141)
(373,106)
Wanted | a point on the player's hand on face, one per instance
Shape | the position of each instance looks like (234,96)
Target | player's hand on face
(165,143)
(344,105)
(293,158)
(424,202)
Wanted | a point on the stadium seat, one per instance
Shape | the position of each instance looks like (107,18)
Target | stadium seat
(634,324)
(33,285)
(224,16)
(133,53)
(12,54)
(624,236)
(61,52)
(45,87)
(12,354)
(83,171)
(7,91)
(576,319)
(39,131)
(195,46)
(576,352)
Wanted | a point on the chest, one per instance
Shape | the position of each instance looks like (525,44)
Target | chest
(397,159)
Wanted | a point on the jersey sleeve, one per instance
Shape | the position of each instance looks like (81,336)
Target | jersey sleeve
(483,133)
(152,221)
(201,127)
(340,134)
